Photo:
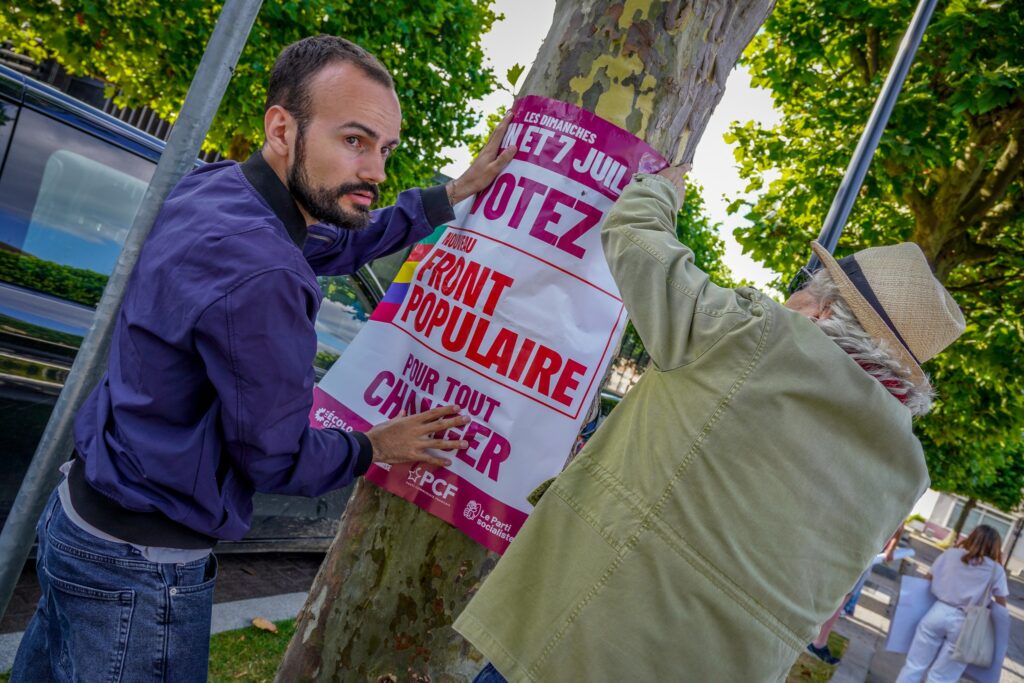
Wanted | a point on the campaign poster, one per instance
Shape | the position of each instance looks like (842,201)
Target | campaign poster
(510,312)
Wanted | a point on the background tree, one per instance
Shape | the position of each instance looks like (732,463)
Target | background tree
(993,477)
(947,175)
(395,578)
(148,51)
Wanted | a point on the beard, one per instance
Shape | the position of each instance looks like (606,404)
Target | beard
(322,202)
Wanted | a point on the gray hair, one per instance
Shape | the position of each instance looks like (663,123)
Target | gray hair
(871,354)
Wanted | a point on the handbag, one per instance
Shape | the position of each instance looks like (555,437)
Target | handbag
(976,641)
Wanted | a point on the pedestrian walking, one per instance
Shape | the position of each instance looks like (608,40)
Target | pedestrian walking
(961,577)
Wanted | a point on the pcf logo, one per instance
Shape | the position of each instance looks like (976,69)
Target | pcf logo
(425,479)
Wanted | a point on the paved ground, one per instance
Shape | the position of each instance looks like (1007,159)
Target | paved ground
(866,661)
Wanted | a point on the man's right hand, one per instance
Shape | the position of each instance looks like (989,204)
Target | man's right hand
(485,168)
(407,439)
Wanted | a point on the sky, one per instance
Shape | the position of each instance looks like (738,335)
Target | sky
(516,40)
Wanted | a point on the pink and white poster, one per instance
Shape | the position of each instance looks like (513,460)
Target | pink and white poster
(511,313)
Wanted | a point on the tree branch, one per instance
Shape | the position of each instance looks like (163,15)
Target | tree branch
(1000,216)
(961,251)
(980,284)
(861,63)
(873,50)
(1006,170)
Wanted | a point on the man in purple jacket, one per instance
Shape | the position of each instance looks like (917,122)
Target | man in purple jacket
(209,386)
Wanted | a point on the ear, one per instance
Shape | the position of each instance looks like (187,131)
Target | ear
(825,312)
(279,127)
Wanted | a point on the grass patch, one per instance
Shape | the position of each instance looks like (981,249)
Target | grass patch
(810,669)
(248,654)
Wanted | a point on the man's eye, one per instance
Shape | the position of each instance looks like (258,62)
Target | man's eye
(353,140)
(386,152)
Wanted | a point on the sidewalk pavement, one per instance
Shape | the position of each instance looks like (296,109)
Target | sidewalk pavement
(866,660)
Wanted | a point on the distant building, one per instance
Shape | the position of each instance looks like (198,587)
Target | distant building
(942,510)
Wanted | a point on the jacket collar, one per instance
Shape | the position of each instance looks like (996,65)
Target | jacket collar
(258,172)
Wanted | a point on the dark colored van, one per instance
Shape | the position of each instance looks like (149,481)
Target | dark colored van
(71,181)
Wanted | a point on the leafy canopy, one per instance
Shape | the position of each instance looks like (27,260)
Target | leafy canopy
(148,52)
(947,175)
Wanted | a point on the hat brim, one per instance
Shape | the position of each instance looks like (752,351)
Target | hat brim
(866,315)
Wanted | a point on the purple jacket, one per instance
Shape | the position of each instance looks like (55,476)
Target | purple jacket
(209,385)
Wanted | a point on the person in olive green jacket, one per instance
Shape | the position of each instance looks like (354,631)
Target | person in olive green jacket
(733,498)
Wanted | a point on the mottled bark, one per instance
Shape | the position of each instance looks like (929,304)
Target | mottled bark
(384,599)
(395,578)
(654,67)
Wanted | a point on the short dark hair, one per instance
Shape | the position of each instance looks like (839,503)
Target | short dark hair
(302,60)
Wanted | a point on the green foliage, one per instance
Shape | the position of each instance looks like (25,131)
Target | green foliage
(947,175)
(695,229)
(477,142)
(992,475)
(148,52)
(248,654)
(809,669)
(343,291)
(325,359)
(75,284)
(23,329)
(513,74)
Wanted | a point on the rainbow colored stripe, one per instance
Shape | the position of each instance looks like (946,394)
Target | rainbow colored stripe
(387,309)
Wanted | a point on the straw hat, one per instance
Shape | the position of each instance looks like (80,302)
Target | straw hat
(895,297)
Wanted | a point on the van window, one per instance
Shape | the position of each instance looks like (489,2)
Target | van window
(343,312)
(83,212)
(8,113)
(67,201)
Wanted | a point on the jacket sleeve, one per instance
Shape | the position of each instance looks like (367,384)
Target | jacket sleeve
(258,344)
(336,251)
(678,312)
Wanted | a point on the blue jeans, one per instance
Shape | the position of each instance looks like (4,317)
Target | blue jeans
(489,674)
(107,614)
(851,604)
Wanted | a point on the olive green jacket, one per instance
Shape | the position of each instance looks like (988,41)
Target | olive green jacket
(724,508)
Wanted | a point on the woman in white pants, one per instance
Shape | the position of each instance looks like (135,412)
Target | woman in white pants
(960,577)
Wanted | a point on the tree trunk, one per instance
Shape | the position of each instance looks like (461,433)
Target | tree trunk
(395,578)
(959,526)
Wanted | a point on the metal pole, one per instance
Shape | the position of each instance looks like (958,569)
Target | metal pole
(179,156)
(835,221)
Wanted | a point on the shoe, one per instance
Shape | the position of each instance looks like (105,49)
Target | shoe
(823,654)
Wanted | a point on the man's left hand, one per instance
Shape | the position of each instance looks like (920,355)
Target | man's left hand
(677,176)
(485,168)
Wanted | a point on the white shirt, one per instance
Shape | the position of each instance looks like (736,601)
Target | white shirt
(963,585)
